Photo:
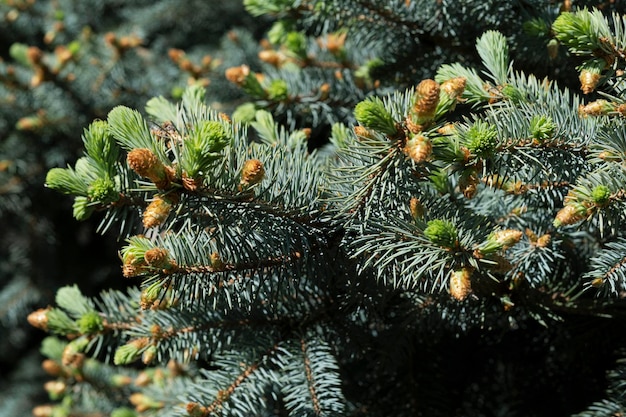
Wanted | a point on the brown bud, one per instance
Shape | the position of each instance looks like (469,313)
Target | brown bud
(416,207)
(418,148)
(272,57)
(237,75)
(454,87)
(252,172)
(507,237)
(588,81)
(426,100)
(460,284)
(158,258)
(146,164)
(362,132)
(335,42)
(595,108)
(39,318)
(51,367)
(216,262)
(156,212)
(34,55)
(570,214)
(55,388)
(45,410)
(544,240)
(72,358)
(196,410)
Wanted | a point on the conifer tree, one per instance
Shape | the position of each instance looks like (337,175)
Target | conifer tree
(399,221)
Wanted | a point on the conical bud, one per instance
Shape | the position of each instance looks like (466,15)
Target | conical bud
(460,283)
(146,164)
(158,258)
(418,148)
(416,207)
(589,79)
(442,233)
(454,87)
(601,195)
(424,105)
(570,214)
(131,351)
(252,172)
(51,367)
(500,240)
(39,318)
(156,212)
(596,108)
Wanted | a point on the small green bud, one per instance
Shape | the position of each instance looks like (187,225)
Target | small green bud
(442,233)
(481,139)
(512,93)
(296,43)
(103,190)
(90,322)
(601,195)
(542,127)
(278,90)
(74,47)
(130,352)
(19,52)
(372,114)
(123,412)
(244,113)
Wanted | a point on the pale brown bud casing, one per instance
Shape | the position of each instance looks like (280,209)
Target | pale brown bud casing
(39,319)
(460,284)
(419,148)
(156,212)
(427,98)
(252,172)
(588,81)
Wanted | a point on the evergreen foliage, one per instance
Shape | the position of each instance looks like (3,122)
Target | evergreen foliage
(398,209)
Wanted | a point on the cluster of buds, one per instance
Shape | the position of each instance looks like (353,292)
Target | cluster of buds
(121,44)
(539,241)
(581,204)
(249,81)
(195,71)
(601,108)
(140,257)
